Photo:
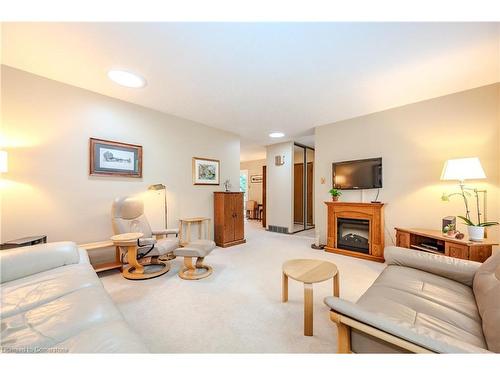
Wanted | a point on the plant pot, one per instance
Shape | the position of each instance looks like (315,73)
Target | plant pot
(475,233)
(335,199)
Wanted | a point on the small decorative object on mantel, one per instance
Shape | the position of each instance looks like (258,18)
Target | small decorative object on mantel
(205,171)
(335,193)
(109,158)
(227,185)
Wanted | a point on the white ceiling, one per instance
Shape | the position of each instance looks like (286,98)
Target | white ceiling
(254,78)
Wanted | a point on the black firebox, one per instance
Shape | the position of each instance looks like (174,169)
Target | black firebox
(353,234)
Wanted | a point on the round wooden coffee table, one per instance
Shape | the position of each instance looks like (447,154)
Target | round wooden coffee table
(309,271)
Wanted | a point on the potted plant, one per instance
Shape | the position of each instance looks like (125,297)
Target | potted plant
(335,193)
(476,231)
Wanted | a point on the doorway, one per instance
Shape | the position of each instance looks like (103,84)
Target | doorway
(244,185)
(303,189)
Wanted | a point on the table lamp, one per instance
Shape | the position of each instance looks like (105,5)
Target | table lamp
(159,187)
(461,170)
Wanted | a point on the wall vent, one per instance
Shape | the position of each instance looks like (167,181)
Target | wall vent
(278,229)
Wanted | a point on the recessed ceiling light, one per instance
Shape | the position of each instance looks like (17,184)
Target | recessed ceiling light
(126,79)
(276,134)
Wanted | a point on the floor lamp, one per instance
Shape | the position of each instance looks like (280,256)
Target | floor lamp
(159,187)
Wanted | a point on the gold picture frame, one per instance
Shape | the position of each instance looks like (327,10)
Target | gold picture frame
(111,158)
(206,171)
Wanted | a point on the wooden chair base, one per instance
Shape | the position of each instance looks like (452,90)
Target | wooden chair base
(188,271)
(167,257)
(137,271)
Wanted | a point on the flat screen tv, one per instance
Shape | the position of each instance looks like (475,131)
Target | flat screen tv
(357,174)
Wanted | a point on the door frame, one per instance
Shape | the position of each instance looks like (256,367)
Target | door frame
(304,188)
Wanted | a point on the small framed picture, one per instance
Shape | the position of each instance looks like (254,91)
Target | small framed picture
(109,158)
(205,171)
(256,179)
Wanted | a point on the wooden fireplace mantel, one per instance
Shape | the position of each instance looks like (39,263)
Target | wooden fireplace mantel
(373,212)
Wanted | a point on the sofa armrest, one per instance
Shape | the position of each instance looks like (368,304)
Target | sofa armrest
(166,232)
(25,261)
(84,256)
(416,335)
(459,270)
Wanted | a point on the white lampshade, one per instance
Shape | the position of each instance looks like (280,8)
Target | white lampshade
(462,169)
(4,166)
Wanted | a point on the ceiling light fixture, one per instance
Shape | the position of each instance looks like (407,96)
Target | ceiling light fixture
(276,135)
(126,79)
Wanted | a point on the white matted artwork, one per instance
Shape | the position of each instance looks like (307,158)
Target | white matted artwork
(206,171)
(116,159)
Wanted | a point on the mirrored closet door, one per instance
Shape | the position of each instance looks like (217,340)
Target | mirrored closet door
(303,189)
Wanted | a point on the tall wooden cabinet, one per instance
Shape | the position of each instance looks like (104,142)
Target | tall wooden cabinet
(228,219)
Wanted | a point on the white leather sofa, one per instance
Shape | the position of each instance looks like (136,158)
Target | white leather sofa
(53,301)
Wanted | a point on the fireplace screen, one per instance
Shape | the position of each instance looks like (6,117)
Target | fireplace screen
(353,234)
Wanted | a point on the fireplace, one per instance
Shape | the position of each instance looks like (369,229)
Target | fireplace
(353,234)
(356,229)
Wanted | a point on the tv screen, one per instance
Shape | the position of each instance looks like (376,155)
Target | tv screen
(357,174)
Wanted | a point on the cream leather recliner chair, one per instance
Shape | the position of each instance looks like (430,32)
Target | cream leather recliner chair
(128,217)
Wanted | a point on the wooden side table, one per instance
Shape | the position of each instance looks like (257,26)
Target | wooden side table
(193,220)
(100,267)
(309,271)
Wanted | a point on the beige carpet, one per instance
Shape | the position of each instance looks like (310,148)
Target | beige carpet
(238,309)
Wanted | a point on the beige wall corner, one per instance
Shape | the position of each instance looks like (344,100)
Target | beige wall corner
(279,184)
(414,142)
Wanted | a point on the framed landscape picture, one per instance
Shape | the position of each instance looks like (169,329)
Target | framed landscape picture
(109,158)
(205,171)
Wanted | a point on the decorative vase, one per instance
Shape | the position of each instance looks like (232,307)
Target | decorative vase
(475,233)
(335,198)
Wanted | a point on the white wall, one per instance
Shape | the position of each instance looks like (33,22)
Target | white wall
(414,141)
(279,186)
(254,167)
(46,128)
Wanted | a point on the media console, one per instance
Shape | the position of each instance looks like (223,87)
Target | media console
(433,241)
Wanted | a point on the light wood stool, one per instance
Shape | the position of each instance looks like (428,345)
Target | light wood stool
(309,271)
(136,270)
(184,240)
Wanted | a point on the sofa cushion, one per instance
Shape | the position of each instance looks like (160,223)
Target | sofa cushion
(487,292)
(436,306)
(66,309)
(35,290)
